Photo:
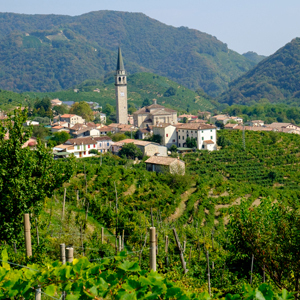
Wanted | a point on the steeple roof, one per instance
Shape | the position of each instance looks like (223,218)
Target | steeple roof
(120,64)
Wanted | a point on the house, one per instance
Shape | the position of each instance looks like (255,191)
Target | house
(198,121)
(219,118)
(154,114)
(55,102)
(204,134)
(33,123)
(188,117)
(144,133)
(278,126)
(147,148)
(236,119)
(81,147)
(106,129)
(165,164)
(59,128)
(71,118)
(205,115)
(230,126)
(256,123)
(86,131)
(167,132)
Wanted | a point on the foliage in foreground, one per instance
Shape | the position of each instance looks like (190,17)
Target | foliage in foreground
(26,176)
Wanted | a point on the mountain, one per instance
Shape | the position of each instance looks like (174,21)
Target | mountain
(51,52)
(141,86)
(253,56)
(276,78)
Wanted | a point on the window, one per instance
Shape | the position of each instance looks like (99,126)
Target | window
(89,146)
(179,130)
(78,147)
(202,131)
(167,135)
(202,146)
(107,144)
(100,145)
(84,153)
(94,145)
(179,145)
(179,137)
(183,137)
(211,130)
(195,131)
(211,137)
(202,138)
(173,141)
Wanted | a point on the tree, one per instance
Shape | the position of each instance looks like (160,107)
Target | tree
(270,232)
(185,120)
(26,177)
(146,102)
(170,92)
(108,109)
(219,124)
(60,137)
(40,132)
(131,151)
(191,142)
(60,109)
(82,109)
(118,137)
(43,107)
(173,148)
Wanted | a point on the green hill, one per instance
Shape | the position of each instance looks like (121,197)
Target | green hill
(276,78)
(50,52)
(253,56)
(140,87)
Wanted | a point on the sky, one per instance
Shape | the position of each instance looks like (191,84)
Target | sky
(262,26)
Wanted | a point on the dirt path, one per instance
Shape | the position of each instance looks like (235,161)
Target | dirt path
(180,209)
(131,189)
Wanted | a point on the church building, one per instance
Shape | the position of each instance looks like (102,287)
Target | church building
(153,115)
(121,91)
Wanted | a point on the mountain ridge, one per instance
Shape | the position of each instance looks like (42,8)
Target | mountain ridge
(187,56)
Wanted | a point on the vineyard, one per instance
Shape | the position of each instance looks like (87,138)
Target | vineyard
(104,211)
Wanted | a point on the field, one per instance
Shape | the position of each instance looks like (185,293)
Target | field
(124,199)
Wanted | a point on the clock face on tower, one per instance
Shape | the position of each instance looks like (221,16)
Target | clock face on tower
(121,94)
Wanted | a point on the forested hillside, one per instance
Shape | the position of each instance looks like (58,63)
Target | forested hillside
(276,78)
(57,52)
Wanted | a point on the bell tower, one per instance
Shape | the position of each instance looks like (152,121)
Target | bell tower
(121,91)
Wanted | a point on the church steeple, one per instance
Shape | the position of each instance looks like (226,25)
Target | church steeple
(121,91)
(120,64)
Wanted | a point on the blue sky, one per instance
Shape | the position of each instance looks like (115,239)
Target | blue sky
(262,26)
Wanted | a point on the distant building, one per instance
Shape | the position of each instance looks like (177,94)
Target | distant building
(154,114)
(81,147)
(204,134)
(256,123)
(188,117)
(72,119)
(33,123)
(167,132)
(219,118)
(165,164)
(55,102)
(147,148)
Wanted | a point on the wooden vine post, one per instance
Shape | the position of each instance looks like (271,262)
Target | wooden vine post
(152,249)
(208,272)
(183,263)
(102,235)
(69,254)
(166,251)
(63,254)
(64,204)
(27,235)
(38,293)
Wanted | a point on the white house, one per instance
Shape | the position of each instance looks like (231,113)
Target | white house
(204,134)
(81,147)
(71,118)
(33,123)
(167,132)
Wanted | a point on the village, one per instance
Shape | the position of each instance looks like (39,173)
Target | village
(172,132)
